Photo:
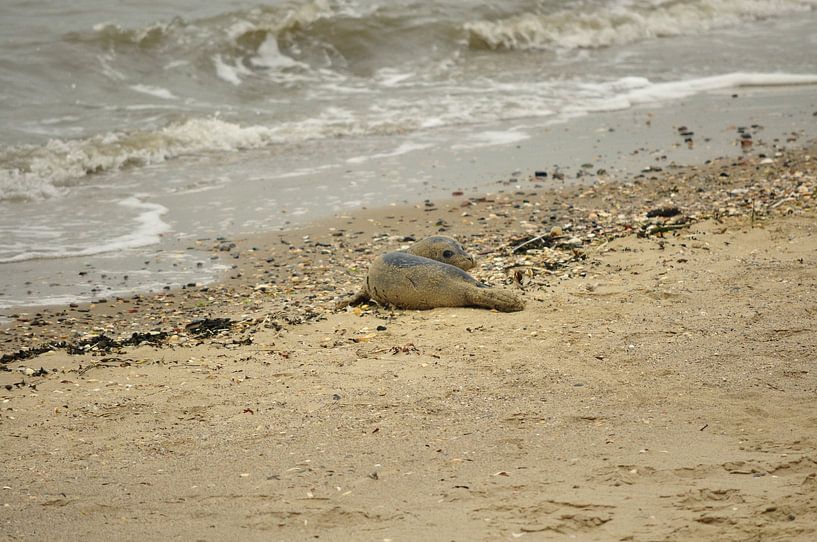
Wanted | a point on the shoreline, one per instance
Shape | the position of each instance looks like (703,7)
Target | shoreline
(260,262)
(617,143)
(658,385)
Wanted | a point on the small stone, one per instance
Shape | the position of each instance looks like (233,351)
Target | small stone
(573,242)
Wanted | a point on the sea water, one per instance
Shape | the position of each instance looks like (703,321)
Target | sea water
(134,135)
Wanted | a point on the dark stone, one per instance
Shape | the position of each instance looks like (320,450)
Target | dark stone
(665,212)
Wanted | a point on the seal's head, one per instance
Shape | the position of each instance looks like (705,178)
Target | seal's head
(443,249)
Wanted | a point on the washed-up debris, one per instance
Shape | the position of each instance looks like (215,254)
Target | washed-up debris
(667,220)
(532,242)
(96,343)
(151,337)
(665,212)
(279,319)
(103,343)
(408,348)
(207,327)
(659,229)
(28,353)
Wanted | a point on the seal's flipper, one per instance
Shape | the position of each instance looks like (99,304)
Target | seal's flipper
(356,299)
(492,298)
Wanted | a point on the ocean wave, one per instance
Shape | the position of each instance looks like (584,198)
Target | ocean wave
(305,41)
(621,23)
(310,37)
(38,172)
(243,28)
(31,172)
(35,172)
(238,43)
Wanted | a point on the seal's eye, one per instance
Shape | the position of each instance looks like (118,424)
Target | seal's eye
(447,254)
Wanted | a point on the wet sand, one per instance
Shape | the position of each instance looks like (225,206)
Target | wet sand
(659,384)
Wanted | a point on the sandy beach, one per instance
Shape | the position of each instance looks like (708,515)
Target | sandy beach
(659,385)
(189,191)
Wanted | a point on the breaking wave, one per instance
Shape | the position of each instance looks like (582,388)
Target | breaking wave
(360,37)
(33,172)
(621,23)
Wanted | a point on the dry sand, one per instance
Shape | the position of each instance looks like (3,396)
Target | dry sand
(657,387)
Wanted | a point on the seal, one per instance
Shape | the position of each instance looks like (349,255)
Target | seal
(430,273)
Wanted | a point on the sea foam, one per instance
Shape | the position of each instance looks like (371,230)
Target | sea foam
(147,231)
(635,90)
(490,138)
(156,92)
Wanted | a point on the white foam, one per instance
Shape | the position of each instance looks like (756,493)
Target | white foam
(389,77)
(39,302)
(269,56)
(490,138)
(158,92)
(148,107)
(109,71)
(639,91)
(230,73)
(175,64)
(198,187)
(301,172)
(330,89)
(147,231)
(239,28)
(59,120)
(405,148)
